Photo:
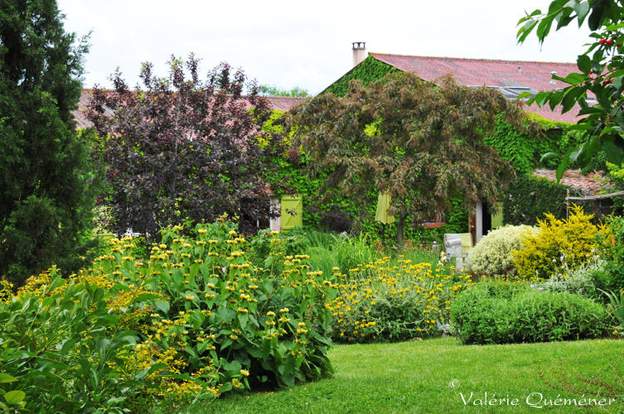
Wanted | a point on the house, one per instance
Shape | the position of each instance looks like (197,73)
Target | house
(511,78)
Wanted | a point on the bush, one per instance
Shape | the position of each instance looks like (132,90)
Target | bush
(580,280)
(336,220)
(66,350)
(492,255)
(611,278)
(557,244)
(393,301)
(529,198)
(194,318)
(504,312)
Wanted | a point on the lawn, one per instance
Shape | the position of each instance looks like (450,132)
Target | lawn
(431,376)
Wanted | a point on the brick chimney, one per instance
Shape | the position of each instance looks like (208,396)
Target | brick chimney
(359,52)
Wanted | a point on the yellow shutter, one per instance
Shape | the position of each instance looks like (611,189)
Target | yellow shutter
(383,207)
(291,214)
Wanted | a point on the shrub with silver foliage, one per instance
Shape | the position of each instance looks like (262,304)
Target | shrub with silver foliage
(492,255)
(579,280)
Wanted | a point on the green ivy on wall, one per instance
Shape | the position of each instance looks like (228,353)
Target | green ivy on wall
(529,197)
(368,71)
(524,149)
(527,200)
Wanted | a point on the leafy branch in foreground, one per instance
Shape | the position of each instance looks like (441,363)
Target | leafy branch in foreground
(596,89)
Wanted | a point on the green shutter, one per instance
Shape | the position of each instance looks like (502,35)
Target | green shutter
(383,207)
(497,216)
(291,214)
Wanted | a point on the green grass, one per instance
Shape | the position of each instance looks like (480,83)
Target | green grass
(428,377)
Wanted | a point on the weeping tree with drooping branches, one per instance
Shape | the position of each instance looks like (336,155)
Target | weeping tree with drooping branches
(421,143)
(182,148)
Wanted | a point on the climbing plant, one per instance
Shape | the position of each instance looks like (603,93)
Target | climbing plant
(367,72)
(291,175)
(421,143)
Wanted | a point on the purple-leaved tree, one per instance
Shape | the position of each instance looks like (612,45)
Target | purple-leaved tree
(180,148)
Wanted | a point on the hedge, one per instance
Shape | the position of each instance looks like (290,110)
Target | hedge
(529,197)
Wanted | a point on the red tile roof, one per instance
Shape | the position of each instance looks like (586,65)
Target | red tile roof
(588,184)
(284,103)
(487,72)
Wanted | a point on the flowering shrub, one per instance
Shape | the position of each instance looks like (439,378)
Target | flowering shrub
(393,301)
(569,242)
(64,350)
(195,318)
(492,255)
(503,312)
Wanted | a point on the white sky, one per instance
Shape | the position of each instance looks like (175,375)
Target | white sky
(305,44)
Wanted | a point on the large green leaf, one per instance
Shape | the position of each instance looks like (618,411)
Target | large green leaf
(582,9)
(14,397)
(598,9)
(6,378)
(584,63)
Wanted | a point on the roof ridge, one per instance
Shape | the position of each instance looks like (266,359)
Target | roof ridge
(471,59)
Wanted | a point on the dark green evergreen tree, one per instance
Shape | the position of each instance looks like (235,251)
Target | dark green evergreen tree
(45,195)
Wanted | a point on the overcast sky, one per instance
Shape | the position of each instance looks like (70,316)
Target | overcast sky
(297,43)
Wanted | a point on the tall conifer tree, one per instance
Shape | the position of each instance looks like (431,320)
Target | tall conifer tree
(45,200)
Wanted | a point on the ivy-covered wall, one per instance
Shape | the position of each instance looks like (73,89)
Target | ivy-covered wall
(522,150)
(526,200)
(368,71)
(335,211)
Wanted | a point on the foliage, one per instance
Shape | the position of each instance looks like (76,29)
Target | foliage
(501,312)
(368,71)
(46,179)
(388,301)
(611,276)
(269,90)
(492,255)
(65,348)
(600,75)
(616,307)
(332,210)
(524,146)
(530,197)
(421,143)
(558,243)
(512,146)
(579,280)
(182,148)
(195,318)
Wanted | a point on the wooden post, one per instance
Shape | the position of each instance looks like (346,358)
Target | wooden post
(567,203)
